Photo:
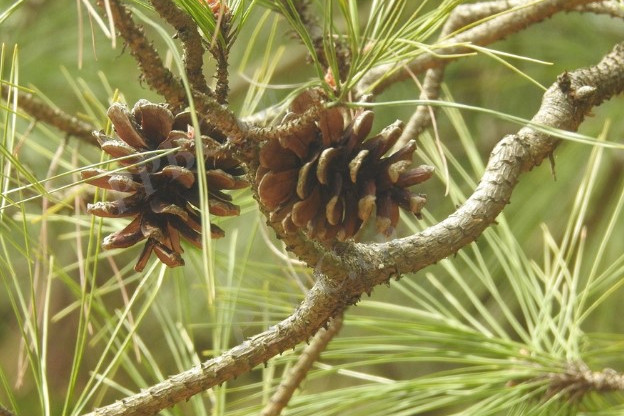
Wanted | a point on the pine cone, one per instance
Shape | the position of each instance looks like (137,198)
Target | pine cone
(164,191)
(328,179)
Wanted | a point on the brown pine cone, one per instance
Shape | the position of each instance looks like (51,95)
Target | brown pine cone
(164,189)
(328,179)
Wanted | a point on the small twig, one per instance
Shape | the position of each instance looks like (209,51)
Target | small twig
(382,76)
(41,111)
(157,76)
(222,86)
(578,380)
(298,372)
(460,17)
(424,114)
(191,42)
(311,23)
(220,50)
(166,84)
(310,20)
(221,118)
(274,132)
(6,412)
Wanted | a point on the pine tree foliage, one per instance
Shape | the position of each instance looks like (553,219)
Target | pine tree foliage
(524,321)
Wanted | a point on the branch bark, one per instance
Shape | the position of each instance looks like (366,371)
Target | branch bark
(41,111)
(350,270)
(298,372)
(191,42)
(157,76)
(578,380)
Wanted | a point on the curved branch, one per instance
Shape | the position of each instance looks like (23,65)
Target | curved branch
(352,269)
(461,16)
(381,77)
(5,412)
(321,303)
(612,8)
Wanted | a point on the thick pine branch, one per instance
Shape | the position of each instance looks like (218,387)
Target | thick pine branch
(353,269)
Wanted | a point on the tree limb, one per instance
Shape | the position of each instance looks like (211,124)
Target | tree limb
(381,77)
(462,16)
(41,111)
(609,7)
(5,412)
(157,76)
(191,42)
(350,269)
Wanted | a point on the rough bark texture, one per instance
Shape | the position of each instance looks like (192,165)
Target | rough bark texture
(298,372)
(191,40)
(41,111)
(157,76)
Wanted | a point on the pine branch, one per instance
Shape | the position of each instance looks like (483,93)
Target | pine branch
(157,76)
(41,111)
(221,53)
(166,84)
(298,372)
(377,79)
(462,16)
(191,40)
(578,380)
(350,270)
(5,412)
(609,7)
(309,18)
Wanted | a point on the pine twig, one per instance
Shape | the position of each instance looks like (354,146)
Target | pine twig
(165,83)
(311,22)
(377,79)
(157,76)
(350,269)
(41,111)
(462,16)
(5,412)
(298,372)
(578,380)
(221,53)
(222,74)
(191,42)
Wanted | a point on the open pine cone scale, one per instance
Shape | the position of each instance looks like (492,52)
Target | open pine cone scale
(164,189)
(328,180)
